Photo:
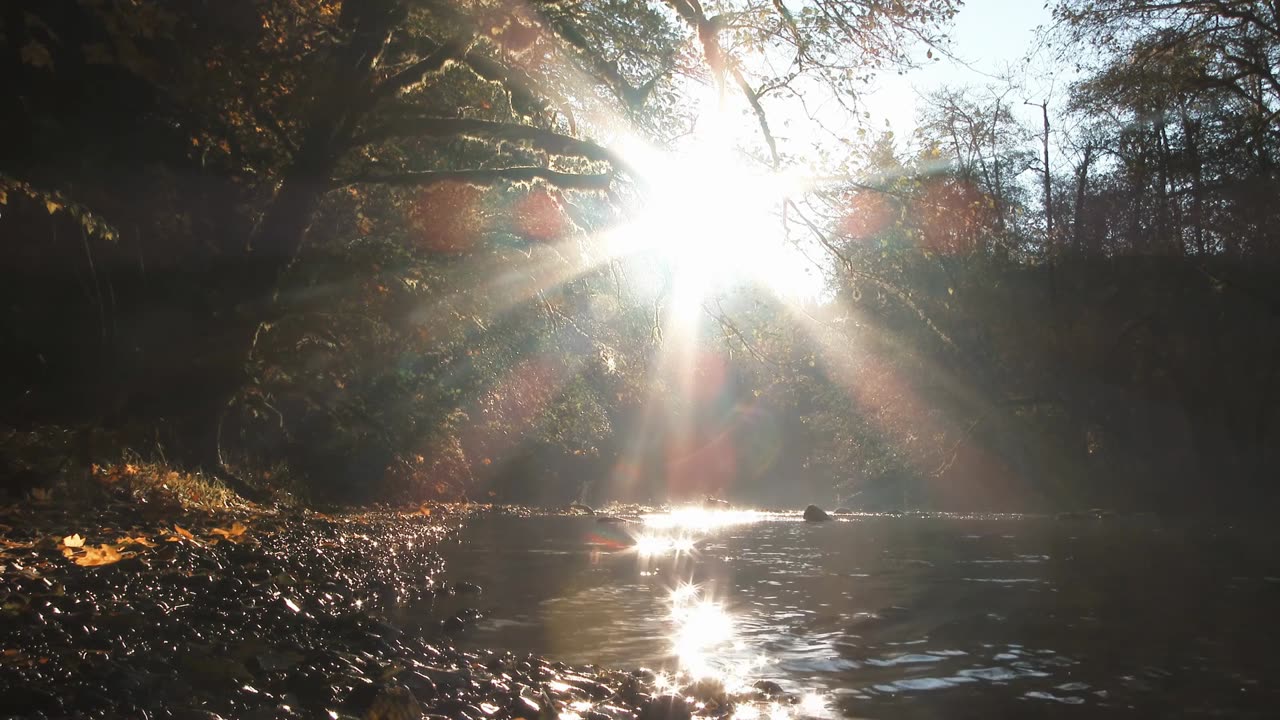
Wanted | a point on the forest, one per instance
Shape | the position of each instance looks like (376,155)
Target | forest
(340,251)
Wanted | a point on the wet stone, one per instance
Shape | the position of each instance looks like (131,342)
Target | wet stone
(666,707)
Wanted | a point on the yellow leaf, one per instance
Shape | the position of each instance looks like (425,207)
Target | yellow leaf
(73,541)
(52,206)
(236,530)
(126,540)
(4,197)
(101,555)
(184,533)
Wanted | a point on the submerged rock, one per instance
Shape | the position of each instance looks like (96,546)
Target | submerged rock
(716,504)
(580,509)
(842,511)
(813,513)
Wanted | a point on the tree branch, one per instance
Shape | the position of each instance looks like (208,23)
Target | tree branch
(761,117)
(607,71)
(546,140)
(525,94)
(564,181)
(418,71)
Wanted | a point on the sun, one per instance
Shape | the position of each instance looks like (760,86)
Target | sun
(715,219)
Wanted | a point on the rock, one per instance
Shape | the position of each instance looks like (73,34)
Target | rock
(813,513)
(467,588)
(591,688)
(580,509)
(842,511)
(706,690)
(716,504)
(523,707)
(394,702)
(464,618)
(768,687)
(666,707)
(611,519)
(422,686)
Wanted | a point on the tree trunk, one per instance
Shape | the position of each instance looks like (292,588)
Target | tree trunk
(1082,190)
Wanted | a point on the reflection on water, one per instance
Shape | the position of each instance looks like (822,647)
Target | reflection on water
(904,616)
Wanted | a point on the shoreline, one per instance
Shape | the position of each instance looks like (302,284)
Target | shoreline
(127,610)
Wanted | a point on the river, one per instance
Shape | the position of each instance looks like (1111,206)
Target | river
(896,616)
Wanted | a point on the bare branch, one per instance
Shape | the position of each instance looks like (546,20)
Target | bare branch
(758,109)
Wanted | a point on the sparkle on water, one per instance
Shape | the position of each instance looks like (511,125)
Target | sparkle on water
(696,519)
(703,632)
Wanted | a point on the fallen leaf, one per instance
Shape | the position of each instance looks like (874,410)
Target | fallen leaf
(36,55)
(126,540)
(236,530)
(184,533)
(73,541)
(101,555)
(425,510)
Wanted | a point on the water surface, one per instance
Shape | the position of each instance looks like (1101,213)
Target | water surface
(940,616)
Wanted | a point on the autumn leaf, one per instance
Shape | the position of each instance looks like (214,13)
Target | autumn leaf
(126,540)
(101,555)
(73,541)
(236,530)
(52,206)
(37,55)
(184,533)
(424,510)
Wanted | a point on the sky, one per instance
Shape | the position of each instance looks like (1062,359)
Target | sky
(988,38)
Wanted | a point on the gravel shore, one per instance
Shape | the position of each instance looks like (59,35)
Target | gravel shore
(127,611)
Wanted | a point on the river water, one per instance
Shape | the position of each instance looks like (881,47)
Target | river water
(915,617)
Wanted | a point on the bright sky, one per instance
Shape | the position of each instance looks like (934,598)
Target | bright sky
(990,39)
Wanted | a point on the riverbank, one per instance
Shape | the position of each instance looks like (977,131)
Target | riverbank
(128,607)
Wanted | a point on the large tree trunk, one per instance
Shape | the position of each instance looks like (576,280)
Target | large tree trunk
(345,85)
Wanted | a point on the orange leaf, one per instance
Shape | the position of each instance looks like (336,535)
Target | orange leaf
(236,530)
(424,509)
(101,555)
(184,533)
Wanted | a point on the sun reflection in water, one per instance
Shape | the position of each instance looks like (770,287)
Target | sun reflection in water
(647,544)
(715,662)
(696,518)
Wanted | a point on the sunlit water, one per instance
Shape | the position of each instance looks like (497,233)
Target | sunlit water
(897,616)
